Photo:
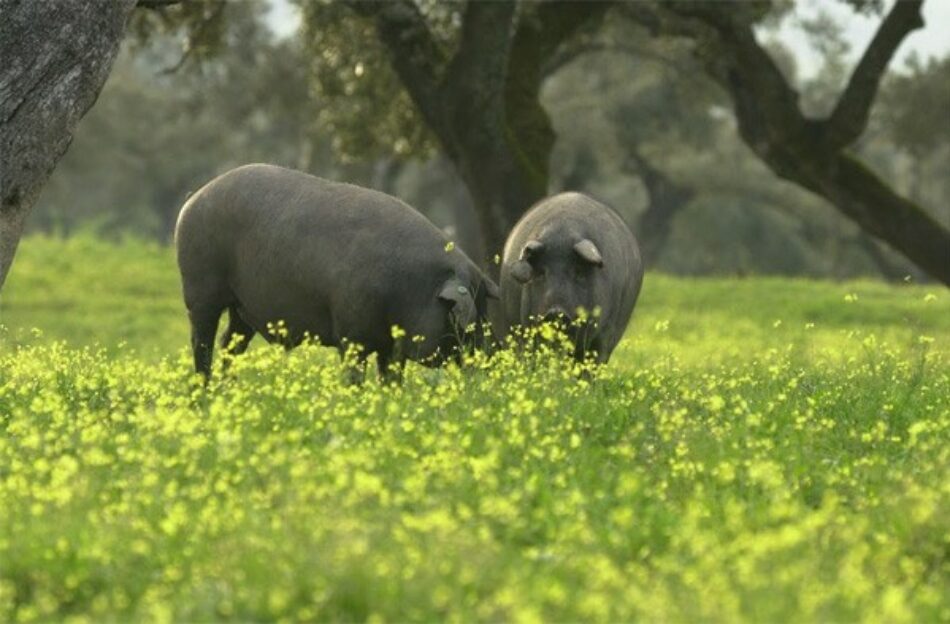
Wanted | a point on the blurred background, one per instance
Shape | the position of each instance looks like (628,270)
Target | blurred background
(636,122)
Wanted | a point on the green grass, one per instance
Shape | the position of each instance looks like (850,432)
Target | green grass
(88,292)
(757,450)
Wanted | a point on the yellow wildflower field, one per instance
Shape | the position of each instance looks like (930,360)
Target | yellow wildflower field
(762,449)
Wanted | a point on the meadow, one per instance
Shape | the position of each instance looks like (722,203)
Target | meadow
(758,449)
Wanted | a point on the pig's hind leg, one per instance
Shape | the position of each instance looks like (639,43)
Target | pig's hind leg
(204,326)
(206,299)
(237,336)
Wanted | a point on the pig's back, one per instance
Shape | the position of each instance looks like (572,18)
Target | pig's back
(312,252)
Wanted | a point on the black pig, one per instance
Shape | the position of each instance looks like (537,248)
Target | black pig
(570,253)
(336,262)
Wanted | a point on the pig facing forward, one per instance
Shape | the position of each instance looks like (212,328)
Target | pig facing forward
(571,252)
(337,262)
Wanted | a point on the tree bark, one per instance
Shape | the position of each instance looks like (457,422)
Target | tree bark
(813,153)
(56,56)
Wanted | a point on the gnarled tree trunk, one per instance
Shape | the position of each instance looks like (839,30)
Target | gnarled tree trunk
(56,56)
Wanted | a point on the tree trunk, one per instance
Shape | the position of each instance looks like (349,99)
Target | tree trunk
(500,195)
(667,198)
(56,56)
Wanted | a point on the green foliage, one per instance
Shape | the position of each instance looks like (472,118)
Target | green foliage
(155,137)
(758,450)
(92,293)
(200,25)
(87,292)
(915,105)
(733,240)
(360,99)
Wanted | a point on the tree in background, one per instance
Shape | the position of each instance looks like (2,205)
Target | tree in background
(473,73)
(650,112)
(476,85)
(913,112)
(411,78)
(813,152)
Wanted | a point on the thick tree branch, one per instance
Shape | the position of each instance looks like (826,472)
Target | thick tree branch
(850,116)
(766,105)
(472,94)
(484,44)
(559,21)
(860,194)
(538,45)
(892,268)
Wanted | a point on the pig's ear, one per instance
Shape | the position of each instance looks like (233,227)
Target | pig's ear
(531,249)
(461,302)
(491,288)
(522,271)
(587,250)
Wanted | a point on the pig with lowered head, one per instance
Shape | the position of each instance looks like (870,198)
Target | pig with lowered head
(570,253)
(335,262)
